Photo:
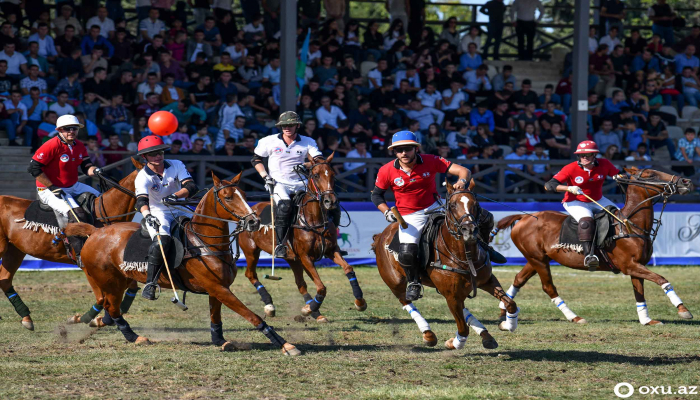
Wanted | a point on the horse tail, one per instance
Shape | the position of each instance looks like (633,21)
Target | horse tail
(81,229)
(508,221)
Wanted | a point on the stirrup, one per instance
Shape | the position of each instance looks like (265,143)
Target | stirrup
(592,262)
(280,248)
(420,291)
(156,293)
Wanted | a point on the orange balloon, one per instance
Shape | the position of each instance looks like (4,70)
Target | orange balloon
(162,123)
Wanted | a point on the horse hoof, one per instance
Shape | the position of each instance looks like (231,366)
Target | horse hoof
(506,326)
(28,323)
(228,346)
(429,339)
(488,341)
(288,349)
(142,341)
(97,323)
(270,310)
(360,304)
(502,317)
(74,319)
(683,312)
(449,345)
(579,320)
(306,310)
(321,319)
(655,322)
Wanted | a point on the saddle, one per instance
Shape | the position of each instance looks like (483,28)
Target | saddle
(41,214)
(426,242)
(603,234)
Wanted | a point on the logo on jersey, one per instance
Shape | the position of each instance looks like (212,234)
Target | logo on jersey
(155,187)
(578,179)
(80,156)
(399,182)
(40,156)
(277,150)
(426,174)
(64,157)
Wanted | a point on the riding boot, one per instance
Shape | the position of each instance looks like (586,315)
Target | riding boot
(76,243)
(485,227)
(334,215)
(280,246)
(408,259)
(586,229)
(155,265)
(283,211)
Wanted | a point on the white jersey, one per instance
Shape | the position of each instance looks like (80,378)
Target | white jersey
(283,158)
(157,188)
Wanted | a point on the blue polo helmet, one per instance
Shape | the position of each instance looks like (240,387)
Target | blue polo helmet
(404,138)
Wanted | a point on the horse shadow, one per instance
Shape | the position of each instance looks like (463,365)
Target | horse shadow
(591,357)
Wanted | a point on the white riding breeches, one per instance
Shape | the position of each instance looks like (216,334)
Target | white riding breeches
(415,221)
(283,191)
(165,217)
(67,203)
(579,209)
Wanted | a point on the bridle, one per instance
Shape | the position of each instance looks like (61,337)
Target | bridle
(105,182)
(310,176)
(454,222)
(664,190)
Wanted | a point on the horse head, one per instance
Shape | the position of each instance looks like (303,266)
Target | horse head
(462,213)
(233,202)
(662,182)
(322,182)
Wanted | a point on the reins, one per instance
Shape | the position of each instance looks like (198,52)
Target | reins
(105,183)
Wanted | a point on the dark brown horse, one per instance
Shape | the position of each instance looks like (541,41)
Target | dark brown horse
(212,272)
(16,242)
(455,252)
(314,236)
(538,240)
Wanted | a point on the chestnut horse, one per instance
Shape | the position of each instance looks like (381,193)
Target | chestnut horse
(314,236)
(213,271)
(455,255)
(16,242)
(537,240)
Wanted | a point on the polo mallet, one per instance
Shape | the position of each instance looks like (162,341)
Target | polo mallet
(625,222)
(399,218)
(272,216)
(175,300)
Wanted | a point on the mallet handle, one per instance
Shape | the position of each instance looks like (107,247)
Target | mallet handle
(272,216)
(165,260)
(625,222)
(399,218)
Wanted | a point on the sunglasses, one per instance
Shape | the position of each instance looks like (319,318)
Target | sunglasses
(587,155)
(70,129)
(155,153)
(403,149)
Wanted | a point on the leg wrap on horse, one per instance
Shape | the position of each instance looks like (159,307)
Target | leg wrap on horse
(309,300)
(472,322)
(423,325)
(93,312)
(561,305)
(356,291)
(315,303)
(668,289)
(217,334)
(107,319)
(270,333)
(512,292)
(264,295)
(17,302)
(124,327)
(128,299)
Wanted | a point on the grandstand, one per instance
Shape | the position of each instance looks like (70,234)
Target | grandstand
(217,68)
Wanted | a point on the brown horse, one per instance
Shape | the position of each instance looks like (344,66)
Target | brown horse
(455,256)
(16,242)
(213,271)
(538,239)
(313,237)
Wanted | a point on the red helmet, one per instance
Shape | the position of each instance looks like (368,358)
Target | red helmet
(587,146)
(150,144)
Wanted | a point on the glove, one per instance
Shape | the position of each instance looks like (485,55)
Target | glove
(574,190)
(270,184)
(152,221)
(169,199)
(57,191)
(390,217)
(300,169)
(619,176)
(97,171)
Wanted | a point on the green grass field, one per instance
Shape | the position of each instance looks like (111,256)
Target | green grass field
(375,354)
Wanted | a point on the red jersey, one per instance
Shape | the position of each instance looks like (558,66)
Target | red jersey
(416,191)
(61,161)
(590,182)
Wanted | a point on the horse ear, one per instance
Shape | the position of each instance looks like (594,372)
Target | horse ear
(471,184)
(237,178)
(311,159)
(450,188)
(137,163)
(330,158)
(217,182)
(631,170)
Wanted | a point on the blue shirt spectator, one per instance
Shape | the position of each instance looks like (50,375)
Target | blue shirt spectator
(469,61)
(476,117)
(46,45)
(88,43)
(41,106)
(683,60)
(639,64)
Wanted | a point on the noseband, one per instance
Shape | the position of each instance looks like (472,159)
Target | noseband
(218,201)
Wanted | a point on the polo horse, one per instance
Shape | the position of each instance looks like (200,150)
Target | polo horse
(457,264)
(628,249)
(210,270)
(312,236)
(19,237)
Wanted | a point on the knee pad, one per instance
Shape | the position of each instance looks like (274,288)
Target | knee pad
(585,229)
(154,255)
(283,209)
(408,253)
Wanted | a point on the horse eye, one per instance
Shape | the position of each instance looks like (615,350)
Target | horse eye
(316,175)
(228,198)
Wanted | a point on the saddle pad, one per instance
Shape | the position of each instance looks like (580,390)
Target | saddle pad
(569,229)
(266,216)
(41,214)
(427,239)
(136,256)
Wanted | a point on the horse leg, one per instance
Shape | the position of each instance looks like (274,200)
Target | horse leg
(641,272)
(360,303)
(456,306)
(217,328)
(298,270)
(129,296)
(252,275)
(545,274)
(11,260)
(642,310)
(91,316)
(313,304)
(225,296)
(520,280)
(493,287)
(112,303)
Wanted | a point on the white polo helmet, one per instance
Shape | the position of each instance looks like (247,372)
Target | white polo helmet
(67,120)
